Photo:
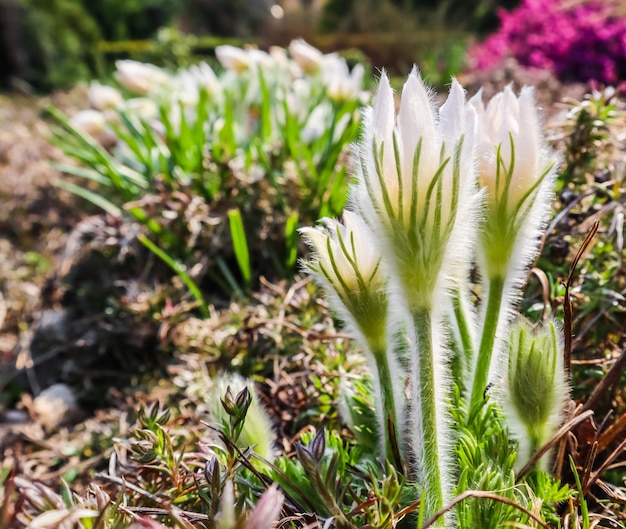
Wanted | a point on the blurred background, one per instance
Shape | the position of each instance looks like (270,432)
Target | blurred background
(48,44)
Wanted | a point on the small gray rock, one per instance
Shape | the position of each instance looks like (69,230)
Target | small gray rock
(55,406)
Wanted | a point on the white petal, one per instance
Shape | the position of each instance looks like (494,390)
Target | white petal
(383,109)
(471,136)
(477,102)
(350,220)
(492,119)
(416,118)
(306,56)
(511,115)
(417,121)
(531,131)
(452,117)
(315,239)
(367,256)
(528,141)
(383,117)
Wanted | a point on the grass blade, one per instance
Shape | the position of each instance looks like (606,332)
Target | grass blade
(240,245)
(180,271)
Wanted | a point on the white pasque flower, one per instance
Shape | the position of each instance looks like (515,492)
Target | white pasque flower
(261,59)
(139,77)
(201,76)
(308,57)
(95,124)
(347,264)
(142,107)
(102,97)
(517,169)
(510,140)
(232,58)
(344,251)
(416,180)
(341,83)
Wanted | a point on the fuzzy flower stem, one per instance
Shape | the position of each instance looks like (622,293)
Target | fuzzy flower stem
(487,340)
(389,417)
(463,326)
(429,457)
(535,443)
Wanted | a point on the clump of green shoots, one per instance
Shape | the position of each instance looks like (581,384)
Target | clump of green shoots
(238,156)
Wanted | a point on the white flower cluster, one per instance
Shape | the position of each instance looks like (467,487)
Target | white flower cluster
(300,83)
(437,190)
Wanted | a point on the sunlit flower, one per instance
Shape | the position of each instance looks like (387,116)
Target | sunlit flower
(102,97)
(89,121)
(233,58)
(416,180)
(202,76)
(140,77)
(261,59)
(341,83)
(142,107)
(517,169)
(94,123)
(417,190)
(347,263)
(306,56)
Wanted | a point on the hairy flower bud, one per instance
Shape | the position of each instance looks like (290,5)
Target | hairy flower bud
(347,264)
(536,389)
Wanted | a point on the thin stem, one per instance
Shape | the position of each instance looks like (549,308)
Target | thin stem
(463,326)
(534,445)
(388,418)
(487,340)
(426,421)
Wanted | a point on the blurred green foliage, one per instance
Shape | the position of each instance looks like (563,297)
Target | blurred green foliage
(472,15)
(130,19)
(395,34)
(225,18)
(47,43)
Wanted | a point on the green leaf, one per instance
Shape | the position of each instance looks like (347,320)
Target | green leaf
(90,196)
(240,245)
(180,271)
(291,240)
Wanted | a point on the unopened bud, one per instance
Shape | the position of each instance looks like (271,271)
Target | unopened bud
(536,388)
